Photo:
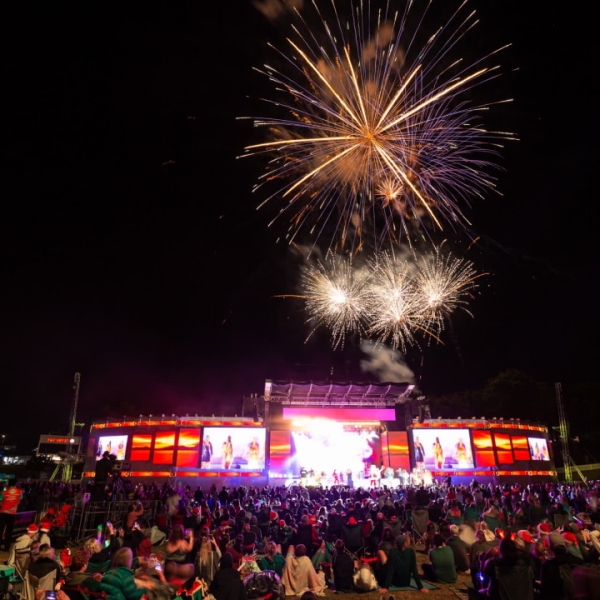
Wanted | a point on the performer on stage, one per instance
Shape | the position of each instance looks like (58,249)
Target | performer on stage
(419,453)
(375,475)
(253,453)
(336,479)
(227,453)
(461,453)
(438,454)
(207,452)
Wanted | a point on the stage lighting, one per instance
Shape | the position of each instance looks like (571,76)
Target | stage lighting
(483,418)
(141,416)
(473,418)
(150,415)
(163,415)
(459,417)
(172,414)
(439,418)
(495,418)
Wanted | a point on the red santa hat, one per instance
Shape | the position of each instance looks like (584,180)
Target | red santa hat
(45,527)
(544,529)
(525,536)
(351,521)
(33,528)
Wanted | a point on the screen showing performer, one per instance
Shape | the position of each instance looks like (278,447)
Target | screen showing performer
(538,448)
(446,449)
(113,444)
(233,448)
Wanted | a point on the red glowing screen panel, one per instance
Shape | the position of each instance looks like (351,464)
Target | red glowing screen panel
(503,448)
(442,449)
(340,414)
(398,450)
(141,445)
(484,449)
(164,448)
(188,448)
(520,447)
(280,443)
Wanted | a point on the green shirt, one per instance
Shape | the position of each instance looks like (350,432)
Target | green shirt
(442,559)
(401,566)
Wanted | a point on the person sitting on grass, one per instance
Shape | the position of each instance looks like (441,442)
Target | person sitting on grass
(442,567)
(401,566)
(272,560)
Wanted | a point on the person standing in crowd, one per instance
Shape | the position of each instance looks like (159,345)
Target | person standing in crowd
(8,513)
(104,468)
(207,452)
(20,554)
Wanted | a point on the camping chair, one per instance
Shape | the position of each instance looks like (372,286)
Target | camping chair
(352,536)
(515,582)
(4,587)
(419,517)
(493,523)
(32,584)
(561,520)
(566,578)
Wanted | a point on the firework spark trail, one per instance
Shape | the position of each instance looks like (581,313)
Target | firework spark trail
(369,108)
(391,300)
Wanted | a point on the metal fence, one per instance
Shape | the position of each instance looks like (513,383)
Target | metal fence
(88,517)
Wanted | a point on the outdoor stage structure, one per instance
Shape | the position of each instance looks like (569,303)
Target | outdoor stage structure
(322,433)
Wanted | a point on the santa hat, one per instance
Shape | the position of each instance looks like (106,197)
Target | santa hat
(544,529)
(525,536)
(281,523)
(45,527)
(33,528)
(273,515)
(570,537)
(351,521)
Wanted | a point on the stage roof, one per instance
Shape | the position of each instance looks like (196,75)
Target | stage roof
(337,394)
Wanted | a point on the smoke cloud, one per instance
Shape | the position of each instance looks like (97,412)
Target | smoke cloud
(276,9)
(385,363)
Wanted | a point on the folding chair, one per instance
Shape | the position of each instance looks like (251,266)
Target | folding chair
(419,517)
(31,584)
(352,536)
(515,582)
(561,520)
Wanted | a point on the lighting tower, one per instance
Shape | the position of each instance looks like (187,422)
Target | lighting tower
(563,430)
(65,466)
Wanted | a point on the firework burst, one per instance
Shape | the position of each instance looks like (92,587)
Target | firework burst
(391,300)
(335,296)
(377,130)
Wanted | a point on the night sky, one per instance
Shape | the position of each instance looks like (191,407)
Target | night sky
(133,252)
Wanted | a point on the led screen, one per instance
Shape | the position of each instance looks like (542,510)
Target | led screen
(164,448)
(520,446)
(484,448)
(141,444)
(113,444)
(236,448)
(442,449)
(188,448)
(328,446)
(538,447)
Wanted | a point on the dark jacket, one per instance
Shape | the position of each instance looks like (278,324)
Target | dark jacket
(343,572)
(401,566)
(228,585)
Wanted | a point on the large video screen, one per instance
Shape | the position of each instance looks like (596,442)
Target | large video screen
(235,448)
(538,448)
(328,446)
(442,449)
(113,444)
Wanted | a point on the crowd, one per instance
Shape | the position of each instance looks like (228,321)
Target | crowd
(297,541)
